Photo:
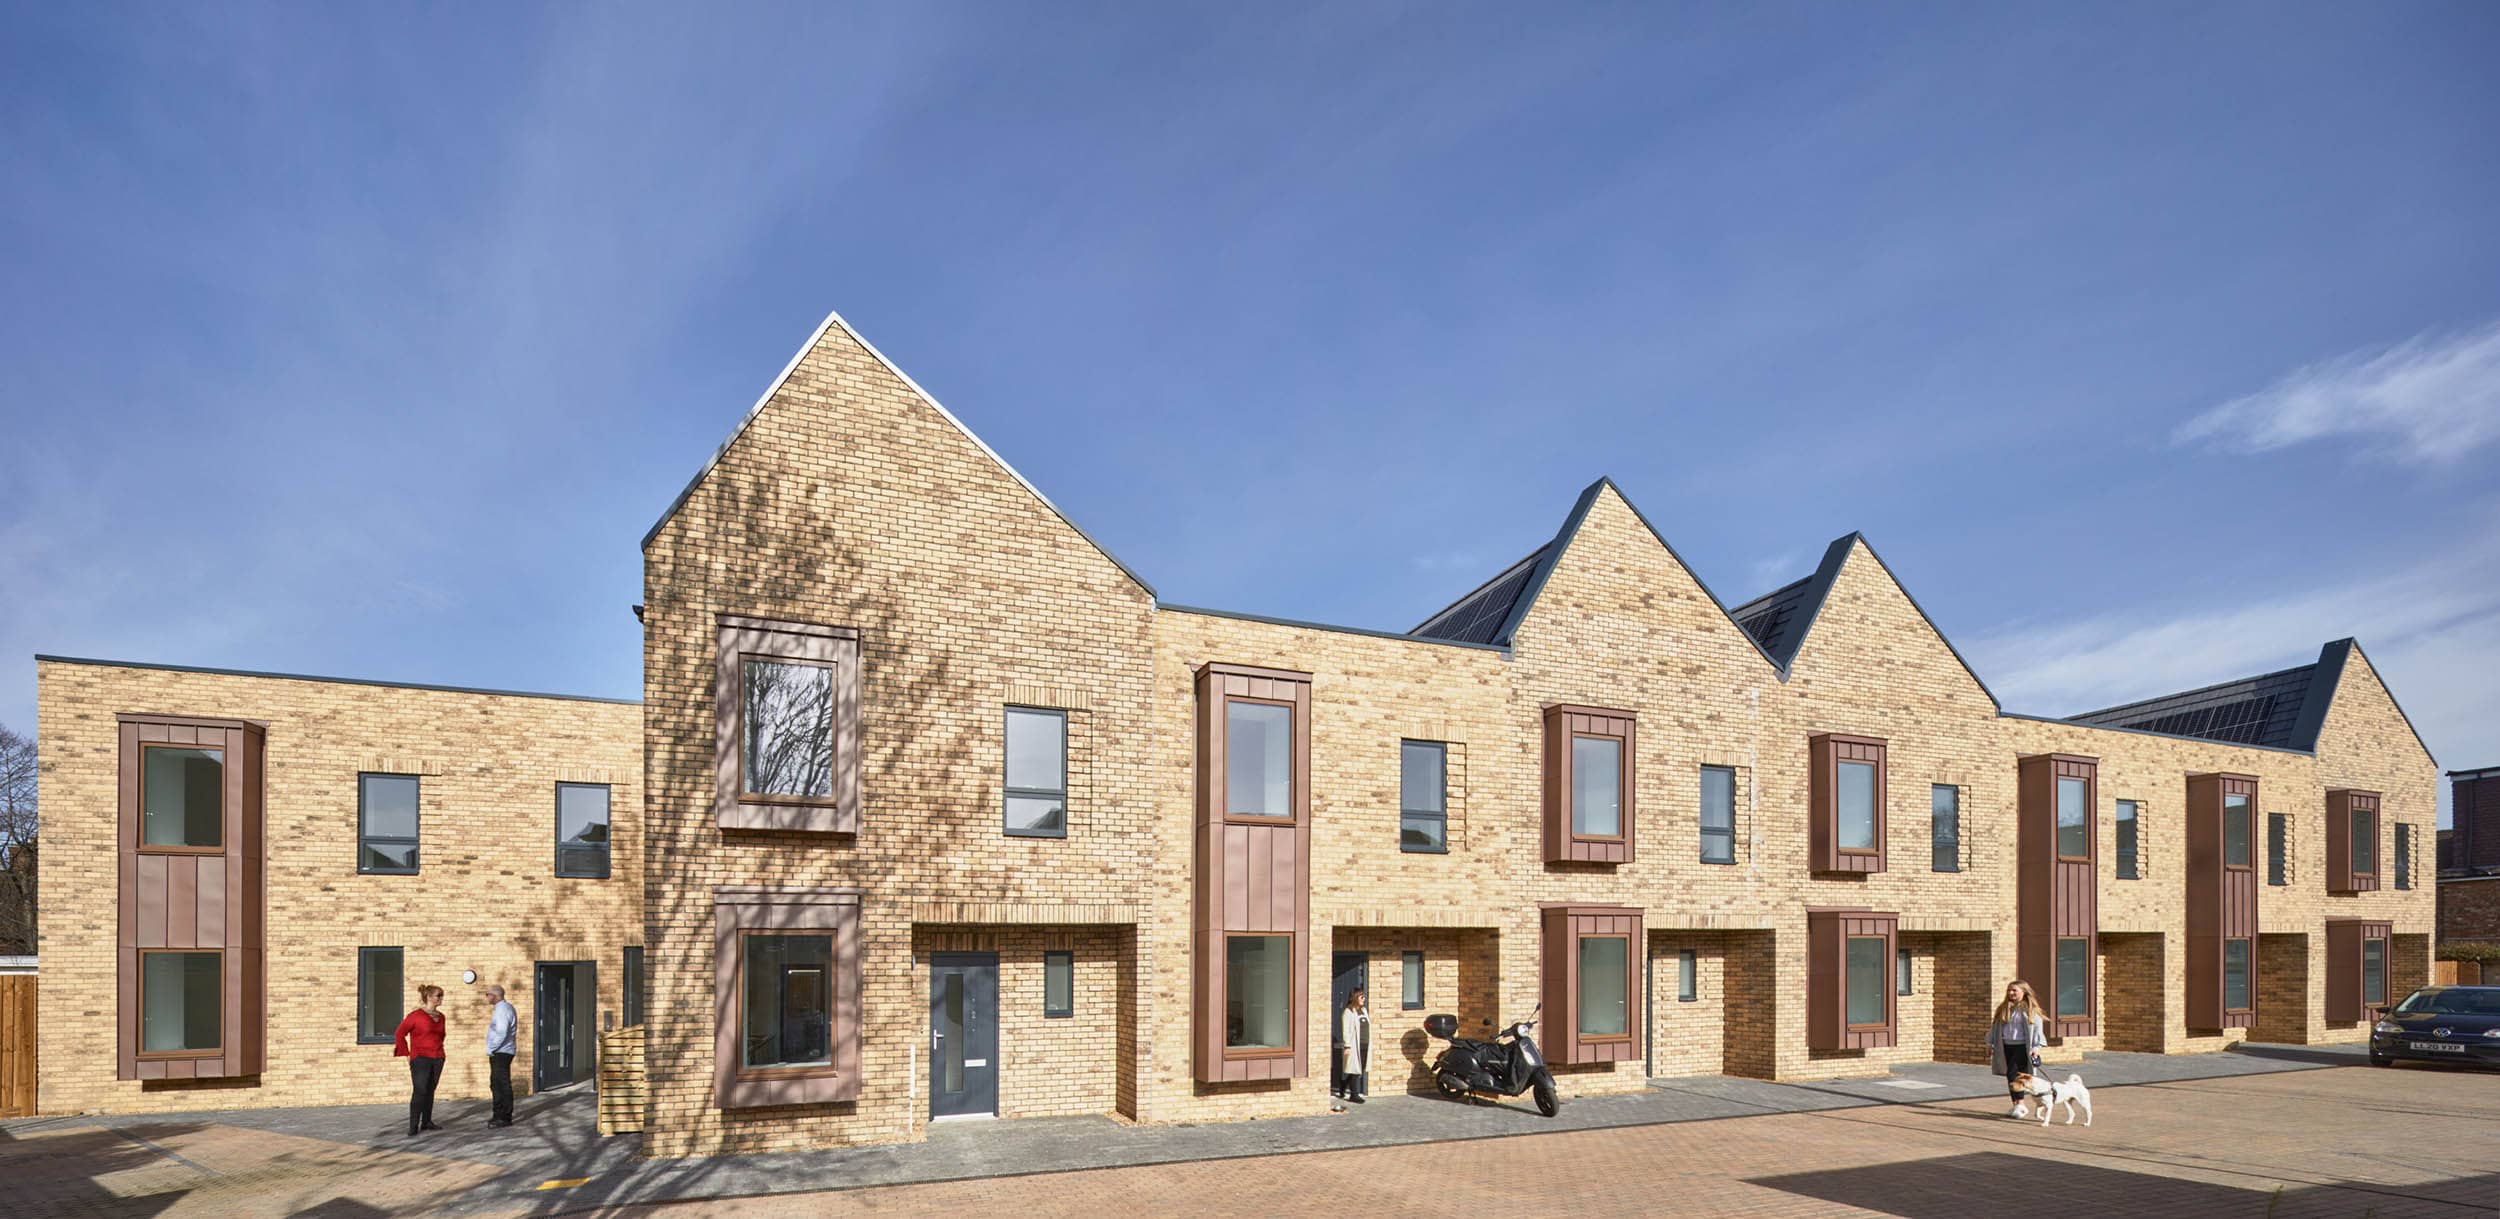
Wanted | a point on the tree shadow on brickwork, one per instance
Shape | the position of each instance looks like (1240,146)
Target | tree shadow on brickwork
(1951,1187)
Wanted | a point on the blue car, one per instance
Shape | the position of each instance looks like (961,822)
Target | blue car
(2455,1024)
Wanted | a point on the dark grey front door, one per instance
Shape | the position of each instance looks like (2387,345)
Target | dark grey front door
(1350,969)
(963,1033)
(566,992)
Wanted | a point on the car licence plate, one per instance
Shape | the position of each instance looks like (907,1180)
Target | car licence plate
(2436,1047)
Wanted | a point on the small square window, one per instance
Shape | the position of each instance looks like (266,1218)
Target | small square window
(378,995)
(1423,796)
(1718,814)
(582,829)
(1058,985)
(1411,980)
(386,824)
(1687,975)
(1037,772)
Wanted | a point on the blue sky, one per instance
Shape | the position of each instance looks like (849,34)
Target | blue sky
(2152,347)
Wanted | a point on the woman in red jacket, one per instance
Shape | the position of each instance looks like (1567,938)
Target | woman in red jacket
(420,1041)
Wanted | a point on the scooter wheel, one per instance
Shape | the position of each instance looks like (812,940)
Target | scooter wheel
(1548,1102)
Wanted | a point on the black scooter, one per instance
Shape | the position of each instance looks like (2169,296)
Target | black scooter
(1506,1066)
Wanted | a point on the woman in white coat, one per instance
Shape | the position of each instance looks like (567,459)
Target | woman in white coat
(1354,1034)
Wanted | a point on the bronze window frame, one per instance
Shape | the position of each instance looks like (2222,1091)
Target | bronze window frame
(1566,926)
(2365,837)
(1293,1029)
(140,991)
(2091,811)
(739,639)
(1565,725)
(143,847)
(1829,929)
(1580,978)
(2249,960)
(740,912)
(833,992)
(1825,752)
(2344,809)
(2248,809)
(1294,736)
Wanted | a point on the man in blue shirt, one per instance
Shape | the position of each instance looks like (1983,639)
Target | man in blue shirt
(499,1049)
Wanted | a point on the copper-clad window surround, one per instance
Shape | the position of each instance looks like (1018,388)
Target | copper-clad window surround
(787,743)
(2222,885)
(2057,887)
(2351,841)
(191,992)
(1591,760)
(1250,990)
(2356,969)
(1850,996)
(786,996)
(1845,830)
(1592,982)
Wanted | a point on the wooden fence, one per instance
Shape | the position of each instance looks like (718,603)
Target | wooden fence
(624,1095)
(2457,973)
(17,1045)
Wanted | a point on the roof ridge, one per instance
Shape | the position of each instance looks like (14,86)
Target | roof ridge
(2208,688)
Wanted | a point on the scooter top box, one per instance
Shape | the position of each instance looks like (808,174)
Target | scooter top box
(1442,1025)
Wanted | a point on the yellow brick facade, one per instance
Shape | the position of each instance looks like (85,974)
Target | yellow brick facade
(486,896)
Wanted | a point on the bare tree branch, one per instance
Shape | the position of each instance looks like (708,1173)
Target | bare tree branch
(18,826)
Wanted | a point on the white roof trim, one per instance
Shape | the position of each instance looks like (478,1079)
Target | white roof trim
(835,319)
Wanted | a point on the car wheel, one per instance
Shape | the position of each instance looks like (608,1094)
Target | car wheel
(2381,1060)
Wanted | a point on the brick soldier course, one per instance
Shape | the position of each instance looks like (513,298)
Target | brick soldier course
(852,523)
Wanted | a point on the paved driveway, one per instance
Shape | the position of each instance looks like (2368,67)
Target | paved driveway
(2212,1134)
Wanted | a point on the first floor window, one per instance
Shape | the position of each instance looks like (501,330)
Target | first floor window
(182,796)
(1411,981)
(2276,831)
(1423,796)
(1037,773)
(1605,986)
(1857,809)
(788,999)
(386,824)
(2074,979)
(2074,819)
(1258,992)
(1902,974)
(787,713)
(1596,787)
(582,829)
(2404,856)
(1718,814)
(1058,985)
(2364,842)
(2235,831)
(1258,759)
(179,1006)
(634,986)
(2374,972)
(1945,837)
(1687,976)
(2235,975)
(1865,977)
(378,997)
(2128,827)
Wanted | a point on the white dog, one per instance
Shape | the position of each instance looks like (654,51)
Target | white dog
(2052,1093)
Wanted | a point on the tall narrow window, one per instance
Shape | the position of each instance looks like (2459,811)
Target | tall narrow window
(634,986)
(2365,842)
(179,1003)
(182,798)
(1037,772)
(1423,796)
(1902,974)
(386,824)
(2235,830)
(1058,985)
(1596,787)
(1258,992)
(581,829)
(2129,825)
(788,1000)
(2074,973)
(1411,981)
(1857,806)
(1258,760)
(2404,856)
(2276,853)
(2235,975)
(1945,828)
(378,995)
(1865,978)
(1687,975)
(2374,972)
(1718,814)
(2074,819)
(1605,986)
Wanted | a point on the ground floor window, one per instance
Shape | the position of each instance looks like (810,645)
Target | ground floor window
(179,1008)
(1058,985)
(1901,972)
(1687,980)
(633,986)
(1411,980)
(2074,979)
(787,1016)
(1865,976)
(2374,972)
(2235,975)
(1258,992)
(1605,986)
(378,994)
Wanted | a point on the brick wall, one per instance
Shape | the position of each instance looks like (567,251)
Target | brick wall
(2469,908)
(1049,1066)
(486,897)
(2135,991)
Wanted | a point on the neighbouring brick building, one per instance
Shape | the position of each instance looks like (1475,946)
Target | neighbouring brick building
(948,814)
(2469,858)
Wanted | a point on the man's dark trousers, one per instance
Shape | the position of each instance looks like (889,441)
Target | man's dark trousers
(499,1071)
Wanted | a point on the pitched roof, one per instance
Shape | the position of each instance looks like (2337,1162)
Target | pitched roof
(2281,710)
(1780,619)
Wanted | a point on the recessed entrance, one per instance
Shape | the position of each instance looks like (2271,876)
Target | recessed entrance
(963,1034)
(567,995)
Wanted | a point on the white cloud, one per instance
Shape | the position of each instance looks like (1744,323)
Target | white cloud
(2430,399)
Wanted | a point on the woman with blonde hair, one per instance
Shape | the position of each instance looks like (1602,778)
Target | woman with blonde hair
(420,1041)
(2015,1034)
